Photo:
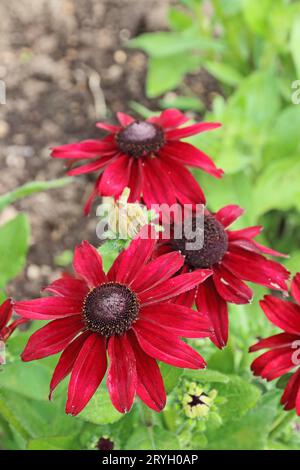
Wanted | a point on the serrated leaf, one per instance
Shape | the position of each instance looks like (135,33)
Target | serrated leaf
(240,397)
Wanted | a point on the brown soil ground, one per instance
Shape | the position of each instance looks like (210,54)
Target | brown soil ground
(65,65)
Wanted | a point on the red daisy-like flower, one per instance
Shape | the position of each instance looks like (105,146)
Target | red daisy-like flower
(147,156)
(284,348)
(125,314)
(6,326)
(233,256)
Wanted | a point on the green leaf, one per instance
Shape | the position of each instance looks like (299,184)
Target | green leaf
(278,186)
(52,443)
(294,44)
(152,438)
(31,188)
(179,20)
(256,13)
(207,376)
(30,379)
(249,432)
(223,72)
(170,375)
(14,239)
(163,44)
(222,361)
(159,78)
(240,397)
(100,409)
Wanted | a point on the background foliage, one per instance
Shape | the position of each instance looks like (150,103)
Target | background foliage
(251,48)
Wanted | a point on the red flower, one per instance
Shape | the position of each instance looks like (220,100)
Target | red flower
(284,348)
(7,328)
(126,157)
(125,313)
(233,256)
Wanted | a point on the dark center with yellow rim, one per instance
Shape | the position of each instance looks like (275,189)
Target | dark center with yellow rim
(214,246)
(140,138)
(110,309)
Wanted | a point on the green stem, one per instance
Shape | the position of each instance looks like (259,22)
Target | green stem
(280,424)
(31,188)
(147,421)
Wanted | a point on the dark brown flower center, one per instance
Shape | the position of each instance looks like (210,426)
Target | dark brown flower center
(140,138)
(197,400)
(214,246)
(110,309)
(105,444)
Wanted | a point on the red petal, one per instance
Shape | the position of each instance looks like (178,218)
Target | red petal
(191,130)
(134,257)
(116,176)
(291,396)
(178,319)
(150,386)
(5,313)
(255,268)
(228,214)
(230,287)
(272,364)
(209,302)
(162,345)
(187,298)
(252,245)
(68,287)
(295,288)
(249,232)
(169,119)
(124,119)
(282,313)
(52,338)
(135,182)
(157,186)
(173,287)
(122,375)
(48,308)
(108,127)
(157,271)
(90,167)
(280,340)
(186,187)
(88,264)
(85,149)
(91,198)
(187,154)
(67,360)
(87,374)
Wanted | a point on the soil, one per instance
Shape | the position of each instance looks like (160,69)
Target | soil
(65,65)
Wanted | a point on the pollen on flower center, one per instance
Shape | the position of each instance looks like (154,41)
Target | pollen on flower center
(110,309)
(140,138)
(215,244)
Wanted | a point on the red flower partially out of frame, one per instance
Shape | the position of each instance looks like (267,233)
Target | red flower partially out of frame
(7,327)
(233,256)
(284,348)
(125,314)
(146,156)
